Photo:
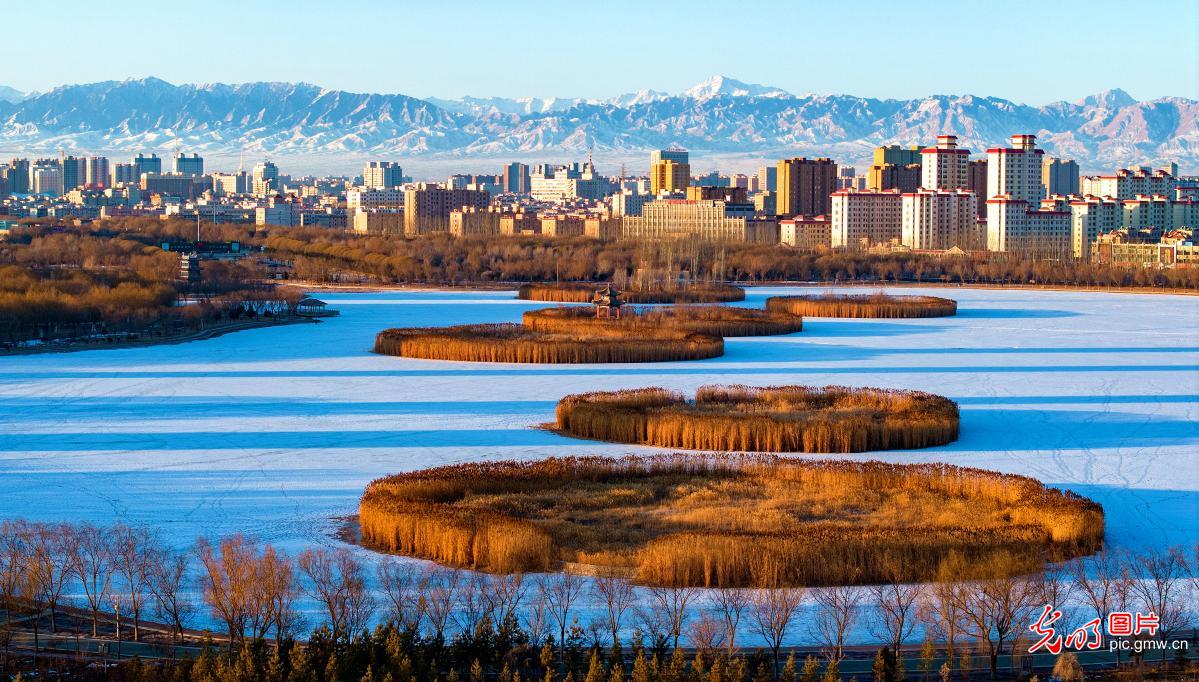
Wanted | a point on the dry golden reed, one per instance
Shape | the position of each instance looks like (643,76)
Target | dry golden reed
(715,320)
(863,305)
(726,520)
(582,292)
(764,419)
(516,343)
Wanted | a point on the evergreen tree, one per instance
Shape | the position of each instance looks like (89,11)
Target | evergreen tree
(641,669)
(595,669)
(811,669)
(788,674)
(476,671)
(927,655)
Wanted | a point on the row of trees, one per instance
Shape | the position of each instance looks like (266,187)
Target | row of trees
(60,285)
(472,624)
(322,255)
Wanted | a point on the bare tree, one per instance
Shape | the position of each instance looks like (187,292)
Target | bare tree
(92,562)
(227,581)
(706,633)
(897,603)
(773,610)
(616,594)
(505,595)
(473,601)
(132,549)
(168,577)
(837,611)
(561,591)
(275,595)
(994,606)
(537,616)
(52,555)
(939,607)
(732,603)
(14,551)
(399,586)
(1162,573)
(441,595)
(336,580)
(672,602)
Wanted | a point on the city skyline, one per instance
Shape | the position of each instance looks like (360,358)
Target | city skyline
(602,52)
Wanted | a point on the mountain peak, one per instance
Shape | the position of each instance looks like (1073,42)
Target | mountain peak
(1109,99)
(13,95)
(719,85)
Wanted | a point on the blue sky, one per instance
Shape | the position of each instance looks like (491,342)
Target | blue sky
(1034,52)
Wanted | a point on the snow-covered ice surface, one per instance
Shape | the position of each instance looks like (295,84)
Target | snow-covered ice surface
(274,432)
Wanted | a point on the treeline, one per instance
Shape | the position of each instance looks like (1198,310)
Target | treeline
(323,255)
(440,624)
(63,285)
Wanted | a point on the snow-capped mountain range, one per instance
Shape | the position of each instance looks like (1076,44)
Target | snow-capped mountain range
(719,116)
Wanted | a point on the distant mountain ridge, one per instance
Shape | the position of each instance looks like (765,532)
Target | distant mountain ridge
(719,116)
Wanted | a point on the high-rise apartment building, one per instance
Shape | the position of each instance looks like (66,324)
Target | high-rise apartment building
(1060,176)
(46,178)
(516,178)
(768,179)
(976,181)
(189,165)
(225,184)
(97,172)
(940,219)
(1089,218)
(890,176)
(382,175)
(860,220)
(146,164)
(669,171)
(427,208)
(945,166)
(18,176)
(1015,221)
(897,155)
(74,173)
(1128,183)
(124,174)
(265,178)
(804,186)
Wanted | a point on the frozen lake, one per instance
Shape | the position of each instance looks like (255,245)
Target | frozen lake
(274,432)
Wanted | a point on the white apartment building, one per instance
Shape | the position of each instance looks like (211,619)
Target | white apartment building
(46,180)
(382,175)
(1127,183)
(1089,218)
(365,198)
(860,219)
(940,219)
(944,166)
(1015,190)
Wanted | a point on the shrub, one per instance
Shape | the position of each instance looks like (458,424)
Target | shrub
(714,320)
(515,343)
(582,292)
(770,419)
(862,305)
(726,520)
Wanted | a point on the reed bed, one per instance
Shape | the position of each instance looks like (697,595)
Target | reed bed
(582,292)
(830,419)
(714,320)
(863,305)
(516,343)
(726,520)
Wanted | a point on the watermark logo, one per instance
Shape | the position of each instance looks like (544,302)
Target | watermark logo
(1089,635)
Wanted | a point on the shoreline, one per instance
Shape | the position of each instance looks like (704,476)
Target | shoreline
(199,335)
(510,286)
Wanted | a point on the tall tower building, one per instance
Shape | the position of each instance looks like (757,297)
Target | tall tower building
(74,173)
(669,170)
(976,181)
(382,175)
(768,179)
(945,165)
(804,186)
(18,176)
(97,172)
(516,178)
(189,165)
(1060,176)
(265,178)
(143,164)
(1015,171)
